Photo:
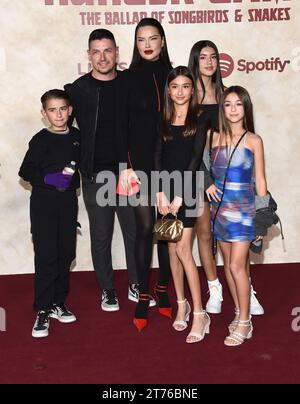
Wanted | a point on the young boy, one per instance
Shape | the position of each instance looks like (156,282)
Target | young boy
(53,209)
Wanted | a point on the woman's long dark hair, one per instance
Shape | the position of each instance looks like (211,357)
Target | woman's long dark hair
(248,122)
(191,122)
(164,55)
(194,67)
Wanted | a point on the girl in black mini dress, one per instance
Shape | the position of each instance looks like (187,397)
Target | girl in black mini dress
(179,152)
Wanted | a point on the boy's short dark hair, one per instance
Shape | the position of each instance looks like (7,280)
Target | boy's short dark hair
(55,93)
(101,33)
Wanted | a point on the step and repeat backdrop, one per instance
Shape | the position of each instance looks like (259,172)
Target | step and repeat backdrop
(43,45)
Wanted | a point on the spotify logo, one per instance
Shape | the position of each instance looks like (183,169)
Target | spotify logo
(226,65)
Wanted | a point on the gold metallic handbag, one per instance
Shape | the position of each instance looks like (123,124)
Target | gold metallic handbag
(168,229)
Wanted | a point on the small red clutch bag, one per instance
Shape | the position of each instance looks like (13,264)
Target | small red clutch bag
(133,189)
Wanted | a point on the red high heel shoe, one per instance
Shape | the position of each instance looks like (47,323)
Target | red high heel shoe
(164,311)
(141,323)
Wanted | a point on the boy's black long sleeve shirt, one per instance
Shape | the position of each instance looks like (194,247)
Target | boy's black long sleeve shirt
(50,152)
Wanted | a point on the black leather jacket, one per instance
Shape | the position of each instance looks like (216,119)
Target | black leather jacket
(85,99)
(265,215)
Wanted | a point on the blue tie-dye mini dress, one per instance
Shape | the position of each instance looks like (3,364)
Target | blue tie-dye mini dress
(234,221)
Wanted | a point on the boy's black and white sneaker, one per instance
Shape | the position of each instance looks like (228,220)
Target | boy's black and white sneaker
(109,300)
(133,295)
(41,325)
(62,314)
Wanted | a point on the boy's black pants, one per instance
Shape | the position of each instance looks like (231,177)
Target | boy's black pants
(53,216)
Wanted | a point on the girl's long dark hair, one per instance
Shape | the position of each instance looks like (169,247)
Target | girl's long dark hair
(248,122)
(191,122)
(194,67)
(164,55)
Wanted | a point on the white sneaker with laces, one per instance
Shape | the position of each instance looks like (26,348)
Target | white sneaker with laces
(214,304)
(109,300)
(133,295)
(256,308)
(62,314)
(41,325)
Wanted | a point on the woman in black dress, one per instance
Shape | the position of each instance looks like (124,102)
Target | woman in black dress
(204,63)
(179,151)
(146,79)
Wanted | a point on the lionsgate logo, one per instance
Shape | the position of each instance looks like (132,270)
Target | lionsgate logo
(2,319)
(274,64)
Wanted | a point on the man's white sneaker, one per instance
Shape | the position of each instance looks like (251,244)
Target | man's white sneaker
(256,308)
(109,300)
(214,304)
(41,325)
(133,295)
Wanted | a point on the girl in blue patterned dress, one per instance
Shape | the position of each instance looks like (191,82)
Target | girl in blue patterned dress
(233,224)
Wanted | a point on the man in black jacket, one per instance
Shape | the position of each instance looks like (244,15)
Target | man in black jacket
(96,98)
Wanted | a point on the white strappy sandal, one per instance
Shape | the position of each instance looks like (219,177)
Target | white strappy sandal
(198,336)
(236,338)
(180,325)
(232,326)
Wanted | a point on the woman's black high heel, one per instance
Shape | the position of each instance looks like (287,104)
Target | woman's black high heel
(141,312)
(161,293)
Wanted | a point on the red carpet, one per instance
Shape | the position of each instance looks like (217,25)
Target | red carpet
(105,347)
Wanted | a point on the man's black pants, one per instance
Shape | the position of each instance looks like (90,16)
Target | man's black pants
(101,219)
